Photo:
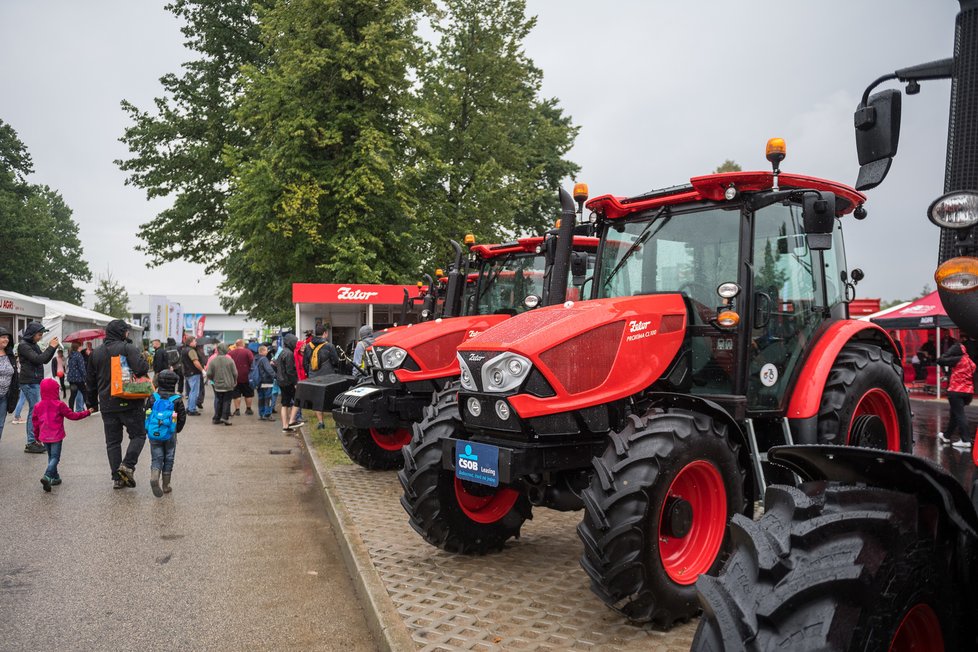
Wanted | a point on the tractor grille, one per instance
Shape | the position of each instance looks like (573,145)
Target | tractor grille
(961,172)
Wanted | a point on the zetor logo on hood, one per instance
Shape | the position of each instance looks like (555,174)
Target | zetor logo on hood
(354,295)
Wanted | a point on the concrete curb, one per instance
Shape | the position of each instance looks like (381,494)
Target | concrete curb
(384,621)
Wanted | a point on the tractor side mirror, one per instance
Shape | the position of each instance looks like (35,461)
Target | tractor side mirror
(818,214)
(877,136)
(578,267)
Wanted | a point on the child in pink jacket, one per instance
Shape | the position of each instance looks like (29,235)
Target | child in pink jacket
(48,422)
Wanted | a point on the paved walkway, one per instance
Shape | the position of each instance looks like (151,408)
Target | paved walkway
(239,556)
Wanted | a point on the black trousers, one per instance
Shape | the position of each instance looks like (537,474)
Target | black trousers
(134,423)
(959,419)
(222,406)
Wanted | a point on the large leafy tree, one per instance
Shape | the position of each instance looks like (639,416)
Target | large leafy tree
(42,254)
(178,147)
(493,150)
(320,194)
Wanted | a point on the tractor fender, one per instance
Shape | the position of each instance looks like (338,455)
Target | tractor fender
(807,394)
(884,469)
(718,413)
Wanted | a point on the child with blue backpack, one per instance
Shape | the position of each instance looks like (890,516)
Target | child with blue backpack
(166,415)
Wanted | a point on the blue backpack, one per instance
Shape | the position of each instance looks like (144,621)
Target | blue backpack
(161,420)
(254,375)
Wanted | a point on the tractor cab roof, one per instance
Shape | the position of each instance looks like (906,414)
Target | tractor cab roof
(528,245)
(711,187)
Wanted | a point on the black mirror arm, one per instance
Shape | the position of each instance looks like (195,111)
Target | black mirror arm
(941,69)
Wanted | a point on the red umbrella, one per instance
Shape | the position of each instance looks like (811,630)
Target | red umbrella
(85,335)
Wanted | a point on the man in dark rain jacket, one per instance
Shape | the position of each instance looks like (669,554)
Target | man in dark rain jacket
(117,412)
(32,361)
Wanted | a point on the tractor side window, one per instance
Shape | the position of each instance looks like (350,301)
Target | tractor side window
(835,262)
(786,299)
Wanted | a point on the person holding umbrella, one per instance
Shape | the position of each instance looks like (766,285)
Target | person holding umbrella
(32,361)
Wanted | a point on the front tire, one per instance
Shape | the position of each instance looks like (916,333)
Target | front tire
(453,515)
(838,567)
(865,402)
(373,448)
(656,512)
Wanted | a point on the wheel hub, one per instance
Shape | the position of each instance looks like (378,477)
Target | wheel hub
(869,431)
(678,519)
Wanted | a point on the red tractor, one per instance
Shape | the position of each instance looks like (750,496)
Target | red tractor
(717,327)
(871,550)
(411,366)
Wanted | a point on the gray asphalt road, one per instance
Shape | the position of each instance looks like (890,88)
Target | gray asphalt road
(239,556)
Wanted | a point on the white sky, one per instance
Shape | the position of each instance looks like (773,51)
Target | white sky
(662,91)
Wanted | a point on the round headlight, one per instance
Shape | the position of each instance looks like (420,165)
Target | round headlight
(958,274)
(496,377)
(531,301)
(380,376)
(425,313)
(728,290)
(466,378)
(730,193)
(475,409)
(955,210)
(391,377)
(502,410)
(515,367)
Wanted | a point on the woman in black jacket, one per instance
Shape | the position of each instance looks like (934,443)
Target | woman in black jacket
(9,385)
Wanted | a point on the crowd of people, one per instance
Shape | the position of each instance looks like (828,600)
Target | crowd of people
(181,375)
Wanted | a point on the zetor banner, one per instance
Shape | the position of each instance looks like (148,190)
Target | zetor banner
(340,293)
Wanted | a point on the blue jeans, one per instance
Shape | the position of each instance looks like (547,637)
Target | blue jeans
(20,405)
(193,382)
(3,413)
(32,393)
(54,456)
(163,453)
(264,401)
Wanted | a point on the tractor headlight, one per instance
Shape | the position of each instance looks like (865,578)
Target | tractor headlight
(955,210)
(393,357)
(505,372)
(958,274)
(372,358)
(466,376)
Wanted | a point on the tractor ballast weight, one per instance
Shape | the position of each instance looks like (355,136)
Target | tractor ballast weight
(652,404)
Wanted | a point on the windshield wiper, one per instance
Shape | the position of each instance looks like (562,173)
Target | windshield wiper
(642,237)
(492,279)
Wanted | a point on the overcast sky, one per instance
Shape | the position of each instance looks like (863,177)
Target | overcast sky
(662,91)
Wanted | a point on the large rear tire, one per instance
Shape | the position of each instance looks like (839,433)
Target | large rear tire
(864,402)
(834,567)
(453,515)
(656,512)
(375,449)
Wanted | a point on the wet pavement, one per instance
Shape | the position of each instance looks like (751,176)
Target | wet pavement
(239,556)
(929,416)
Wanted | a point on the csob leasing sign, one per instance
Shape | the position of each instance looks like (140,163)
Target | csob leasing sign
(350,293)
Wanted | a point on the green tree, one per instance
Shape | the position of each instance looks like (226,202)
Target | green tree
(728,166)
(42,252)
(178,148)
(493,151)
(320,193)
(111,297)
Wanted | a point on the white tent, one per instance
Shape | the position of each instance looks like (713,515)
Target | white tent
(62,319)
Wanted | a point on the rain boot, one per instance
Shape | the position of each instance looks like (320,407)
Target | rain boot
(154,482)
(166,483)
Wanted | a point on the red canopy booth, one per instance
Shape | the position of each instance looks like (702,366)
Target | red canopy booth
(916,321)
(344,307)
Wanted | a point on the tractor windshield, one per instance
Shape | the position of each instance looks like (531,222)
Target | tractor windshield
(506,281)
(690,252)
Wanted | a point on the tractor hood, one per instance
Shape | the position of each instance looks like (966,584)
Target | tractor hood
(430,346)
(582,354)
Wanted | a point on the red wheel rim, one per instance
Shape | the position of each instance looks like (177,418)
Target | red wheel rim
(485,509)
(393,440)
(919,631)
(686,558)
(878,403)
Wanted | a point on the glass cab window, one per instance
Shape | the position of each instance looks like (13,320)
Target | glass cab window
(506,281)
(787,302)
